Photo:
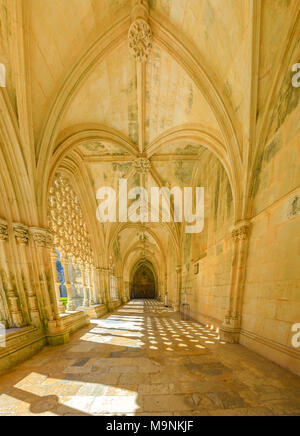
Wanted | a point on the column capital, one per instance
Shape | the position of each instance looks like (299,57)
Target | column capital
(39,236)
(21,233)
(3,230)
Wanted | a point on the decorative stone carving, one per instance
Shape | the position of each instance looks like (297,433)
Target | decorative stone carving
(241,233)
(49,239)
(66,221)
(39,237)
(21,233)
(140,40)
(3,230)
(142,165)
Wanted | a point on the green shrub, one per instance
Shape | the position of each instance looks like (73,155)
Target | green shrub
(64,301)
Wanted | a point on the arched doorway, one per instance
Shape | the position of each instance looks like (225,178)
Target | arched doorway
(143,284)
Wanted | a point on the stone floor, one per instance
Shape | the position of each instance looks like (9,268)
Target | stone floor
(143,360)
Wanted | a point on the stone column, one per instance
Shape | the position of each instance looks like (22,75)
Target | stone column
(107,289)
(86,300)
(65,261)
(13,300)
(91,284)
(97,285)
(43,240)
(21,233)
(230,330)
(179,288)
(119,289)
(5,317)
(126,291)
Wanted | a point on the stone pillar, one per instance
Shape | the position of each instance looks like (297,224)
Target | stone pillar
(165,292)
(120,290)
(40,242)
(179,288)
(53,256)
(107,289)
(230,330)
(86,302)
(21,233)
(65,263)
(99,285)
(13,300)
(91,284)
(126,291)
(43,240)
(5,317)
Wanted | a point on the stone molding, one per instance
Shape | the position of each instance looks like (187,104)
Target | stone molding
(21,233)
(39,236)
(142,165)
(3,230)
(241,231)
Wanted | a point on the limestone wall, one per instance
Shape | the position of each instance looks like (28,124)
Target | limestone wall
(272,291)
(207,257)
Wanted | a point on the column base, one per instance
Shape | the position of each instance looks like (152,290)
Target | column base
(71,307)
(230,336)
(61,309)
(95,312)
(57,334)
(35,318)
(231,330)
(114,305)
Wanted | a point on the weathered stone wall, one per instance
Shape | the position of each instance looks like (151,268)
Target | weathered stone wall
(208,283)
(272,291)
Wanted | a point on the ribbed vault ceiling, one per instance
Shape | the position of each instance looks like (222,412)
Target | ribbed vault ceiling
(144,105)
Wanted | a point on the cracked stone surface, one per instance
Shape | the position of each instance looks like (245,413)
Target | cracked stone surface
(144,360)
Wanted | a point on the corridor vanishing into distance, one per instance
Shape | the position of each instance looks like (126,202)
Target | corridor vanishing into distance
(144,360)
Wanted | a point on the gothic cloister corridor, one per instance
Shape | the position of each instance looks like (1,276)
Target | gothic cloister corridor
(149,207)
(143,360)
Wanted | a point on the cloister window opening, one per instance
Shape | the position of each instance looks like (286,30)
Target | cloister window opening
(61,279)
(72,257)
(114,294)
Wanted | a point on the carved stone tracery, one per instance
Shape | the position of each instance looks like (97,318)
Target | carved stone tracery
(66,221)
(142,165)
(21,233)
(69,235)
(3,230)
(140,40)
